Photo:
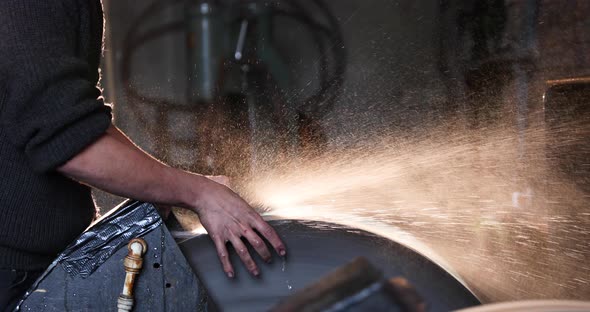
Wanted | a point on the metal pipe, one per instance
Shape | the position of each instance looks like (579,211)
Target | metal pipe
(133,263)
(204,50)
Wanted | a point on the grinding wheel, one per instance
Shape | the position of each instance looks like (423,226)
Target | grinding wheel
(314,249)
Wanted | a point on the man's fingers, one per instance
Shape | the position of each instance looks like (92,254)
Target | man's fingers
(257,243)
(244,255)
(271,235)
(224,257)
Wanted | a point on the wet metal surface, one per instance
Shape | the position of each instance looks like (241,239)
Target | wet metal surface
(315,249)
(166,282)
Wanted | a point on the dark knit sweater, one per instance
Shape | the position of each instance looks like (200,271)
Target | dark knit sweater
(50,110)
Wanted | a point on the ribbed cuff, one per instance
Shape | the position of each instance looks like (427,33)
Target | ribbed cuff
(71,141)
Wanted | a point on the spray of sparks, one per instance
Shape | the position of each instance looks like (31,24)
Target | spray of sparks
(469,196)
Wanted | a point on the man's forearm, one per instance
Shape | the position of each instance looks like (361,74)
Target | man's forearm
(116,165)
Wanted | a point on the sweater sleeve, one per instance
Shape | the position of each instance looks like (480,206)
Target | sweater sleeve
(50,106)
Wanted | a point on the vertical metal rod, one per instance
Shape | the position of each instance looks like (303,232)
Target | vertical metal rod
(241,39)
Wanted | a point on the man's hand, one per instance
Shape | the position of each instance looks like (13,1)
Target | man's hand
(116,165)
(228,218)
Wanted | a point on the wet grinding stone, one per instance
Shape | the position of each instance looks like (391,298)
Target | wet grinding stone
(314,249)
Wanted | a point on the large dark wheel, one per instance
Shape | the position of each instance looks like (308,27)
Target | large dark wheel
(314,249)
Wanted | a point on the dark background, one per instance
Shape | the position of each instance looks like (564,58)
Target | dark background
(410,66)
